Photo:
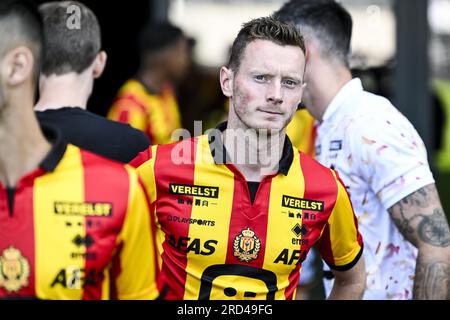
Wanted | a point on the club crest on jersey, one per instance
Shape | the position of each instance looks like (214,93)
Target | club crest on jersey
(246,245)
(14,270)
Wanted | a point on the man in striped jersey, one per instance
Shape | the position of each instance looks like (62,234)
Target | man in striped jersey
(73,225)
(239,208)
(147,101)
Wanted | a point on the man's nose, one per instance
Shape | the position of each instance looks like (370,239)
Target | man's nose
(274,93)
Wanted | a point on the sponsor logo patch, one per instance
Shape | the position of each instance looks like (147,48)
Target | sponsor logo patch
(86,209)
(193,190)
(299,203)
(200,222)
(299,230)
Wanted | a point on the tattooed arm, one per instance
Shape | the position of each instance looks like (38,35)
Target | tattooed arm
(421,220)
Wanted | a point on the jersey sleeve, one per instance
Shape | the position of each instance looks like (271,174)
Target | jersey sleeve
(390,155)
(129,111)
(136,265)
(141,157)
(340,243)
(145,163)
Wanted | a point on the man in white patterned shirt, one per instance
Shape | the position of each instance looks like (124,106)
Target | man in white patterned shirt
(381,159)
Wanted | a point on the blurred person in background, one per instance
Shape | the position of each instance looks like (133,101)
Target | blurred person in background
(73,225)
(199,95)
(72,60)
(148,102)
(381,159)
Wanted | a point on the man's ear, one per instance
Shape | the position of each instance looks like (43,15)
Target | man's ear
(307,51)
(17,66)
(312,51)
(226,81)
(99,64)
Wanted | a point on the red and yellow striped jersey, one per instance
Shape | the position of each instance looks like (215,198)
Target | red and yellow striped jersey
(301,131)
(155,114)
(216,244)
(78,227)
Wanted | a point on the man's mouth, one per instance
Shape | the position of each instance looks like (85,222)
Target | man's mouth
(270,112)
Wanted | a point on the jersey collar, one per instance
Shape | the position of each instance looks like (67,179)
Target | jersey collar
(57,151)
(347,90)
(220,154)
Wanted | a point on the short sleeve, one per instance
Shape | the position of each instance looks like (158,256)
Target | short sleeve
(145,163)
(135,268)
(389,155)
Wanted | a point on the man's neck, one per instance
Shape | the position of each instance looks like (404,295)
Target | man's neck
(255,154)
(153,80)
(22,144)
(325,86)
(68,90)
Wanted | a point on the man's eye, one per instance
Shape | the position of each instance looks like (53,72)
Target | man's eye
(290,83)
(260,77)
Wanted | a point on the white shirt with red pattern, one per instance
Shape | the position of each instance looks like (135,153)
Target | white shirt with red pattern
(381,159)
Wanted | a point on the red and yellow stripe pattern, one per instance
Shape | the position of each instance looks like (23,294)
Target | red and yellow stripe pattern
(156,115)
(302,133)
(82,231)
(216,244)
